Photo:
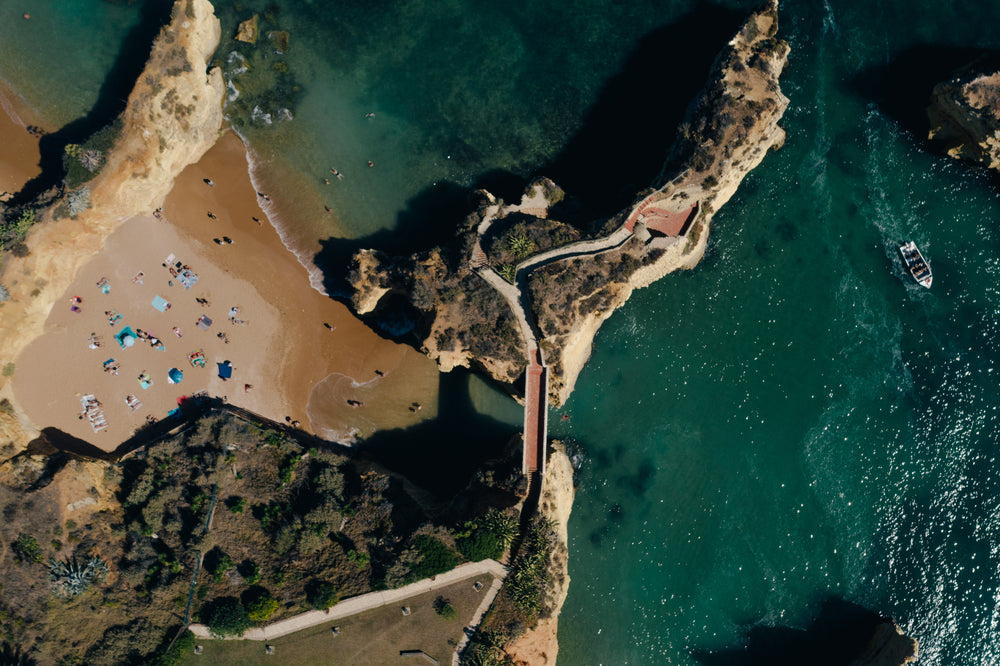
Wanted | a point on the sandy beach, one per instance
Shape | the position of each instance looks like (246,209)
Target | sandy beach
(283,350)
(18,148)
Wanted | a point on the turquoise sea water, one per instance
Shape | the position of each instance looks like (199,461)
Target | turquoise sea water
(794,420)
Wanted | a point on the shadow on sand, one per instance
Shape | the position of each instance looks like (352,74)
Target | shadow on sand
(111,101)
(839,634)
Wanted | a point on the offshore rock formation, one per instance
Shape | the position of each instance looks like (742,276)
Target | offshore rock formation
(574,285)
(247,32)
(173,116)
(889,646)
(965,114)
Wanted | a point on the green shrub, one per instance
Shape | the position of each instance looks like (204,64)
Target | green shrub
(236,504)
(361,559)
(435,557)
(444,608)
(321,594)
(260,605)
(226,616)
(178,652)
(250,571)
(26,549)
(480,545)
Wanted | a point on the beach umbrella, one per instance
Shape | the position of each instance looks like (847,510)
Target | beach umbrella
(128,340)
(175,376)
(225,370)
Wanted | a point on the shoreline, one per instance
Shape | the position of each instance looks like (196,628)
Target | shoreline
(286,353)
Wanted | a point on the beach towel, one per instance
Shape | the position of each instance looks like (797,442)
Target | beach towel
(125,337)
(161,304)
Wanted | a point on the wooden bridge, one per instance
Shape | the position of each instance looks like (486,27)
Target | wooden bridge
(536,414)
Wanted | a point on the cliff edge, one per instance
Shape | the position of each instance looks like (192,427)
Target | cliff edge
(539,645)
(572,278)
(889,646)
(964,114)
(172,117)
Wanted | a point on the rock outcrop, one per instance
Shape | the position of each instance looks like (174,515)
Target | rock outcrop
(573,283)
(889,646)
(965,114)
(248,30)
(539,645)
(172,117)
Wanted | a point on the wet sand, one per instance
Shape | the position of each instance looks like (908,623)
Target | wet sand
(283,352)
(18,148)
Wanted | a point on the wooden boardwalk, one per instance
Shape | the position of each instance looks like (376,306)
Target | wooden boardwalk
(536,410)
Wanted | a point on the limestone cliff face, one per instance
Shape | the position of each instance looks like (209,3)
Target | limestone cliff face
(728,131)
(173,116)
(965,115)
(539,645)
(889,646)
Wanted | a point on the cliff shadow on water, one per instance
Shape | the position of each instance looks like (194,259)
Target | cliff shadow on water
(441,455)
(111,101)
(840,634)
(902,87)
(619,149)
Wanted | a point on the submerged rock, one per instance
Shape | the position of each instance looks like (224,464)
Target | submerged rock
(247,32)
(279,38)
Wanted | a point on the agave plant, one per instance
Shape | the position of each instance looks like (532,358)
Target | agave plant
(502,525)
(69,578)
(520,245)
(91,160)
(79,201)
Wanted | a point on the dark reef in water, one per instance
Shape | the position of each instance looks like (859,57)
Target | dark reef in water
(844,634)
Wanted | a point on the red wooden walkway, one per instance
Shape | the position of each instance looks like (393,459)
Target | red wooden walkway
(536,408)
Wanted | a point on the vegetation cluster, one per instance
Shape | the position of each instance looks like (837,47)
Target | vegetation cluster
(522,600)
(278,529)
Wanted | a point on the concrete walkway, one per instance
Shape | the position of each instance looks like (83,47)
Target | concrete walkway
(366,602)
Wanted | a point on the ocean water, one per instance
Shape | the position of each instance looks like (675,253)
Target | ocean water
(792,422)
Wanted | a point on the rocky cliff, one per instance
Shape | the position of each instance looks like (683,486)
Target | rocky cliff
(888,647)
(570,280)
(539,645)
(965,114)
(173,116)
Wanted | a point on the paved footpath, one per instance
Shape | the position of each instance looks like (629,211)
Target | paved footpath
(366,602)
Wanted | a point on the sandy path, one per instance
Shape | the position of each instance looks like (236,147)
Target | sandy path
(366,602)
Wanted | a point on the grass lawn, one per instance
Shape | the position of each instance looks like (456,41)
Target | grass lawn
(372,637)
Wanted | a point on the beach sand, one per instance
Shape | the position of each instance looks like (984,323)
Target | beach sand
(19,155)
(284,351)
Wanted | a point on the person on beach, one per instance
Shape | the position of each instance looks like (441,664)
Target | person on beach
(247,388)
(336,173)
(227,240)
(256,220)
(379,373)
(212,216)
(326,181)
(209,182)
(370,164)
(328,326)
(369,115)
(328,209)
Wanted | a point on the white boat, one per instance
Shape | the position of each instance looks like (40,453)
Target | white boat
(916,264)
